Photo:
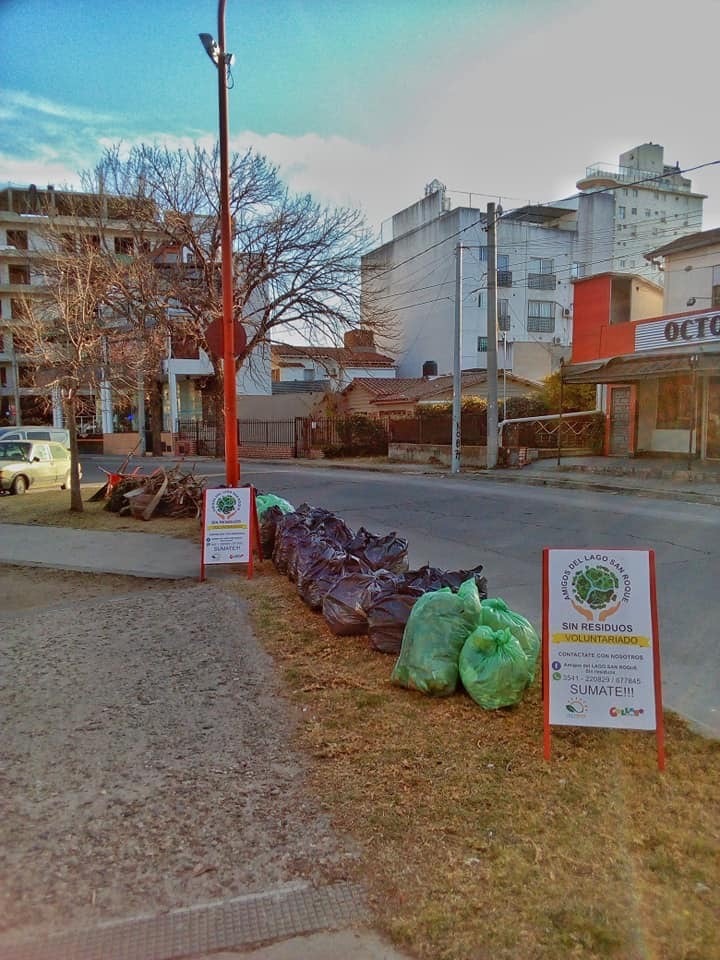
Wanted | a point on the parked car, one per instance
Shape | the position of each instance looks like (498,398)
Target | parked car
(58,434)
(25,464)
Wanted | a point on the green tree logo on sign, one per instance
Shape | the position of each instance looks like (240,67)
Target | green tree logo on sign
(595,588)
(225,505)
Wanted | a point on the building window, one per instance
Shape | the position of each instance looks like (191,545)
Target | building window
(541,316)
(482,254)
(124,245)
(19,274)
(504,274)
(481,300)
(541,274)
(503,315)
(621,213)
(18,310)
(482,345)
(648,213)
(675,403)
(17,239)
(577,270)
(716,286)
(633,211)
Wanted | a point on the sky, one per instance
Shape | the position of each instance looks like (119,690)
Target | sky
(364,102)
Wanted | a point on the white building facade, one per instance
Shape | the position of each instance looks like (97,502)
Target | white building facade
(631,208)
(413,274)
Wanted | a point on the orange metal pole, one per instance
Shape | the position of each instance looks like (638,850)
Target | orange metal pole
(232,462)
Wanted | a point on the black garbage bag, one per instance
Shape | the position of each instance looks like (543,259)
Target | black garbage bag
(454,579)
(387,617)
(345,604)
(429,578)
(380,553)
(322,575)
(335,530)
(288,530)
(310,551)
(268,524)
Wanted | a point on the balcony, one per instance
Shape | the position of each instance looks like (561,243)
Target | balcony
(610,174)
(504,278)
(541,281)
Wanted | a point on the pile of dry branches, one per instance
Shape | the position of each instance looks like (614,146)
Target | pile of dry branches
(165,493)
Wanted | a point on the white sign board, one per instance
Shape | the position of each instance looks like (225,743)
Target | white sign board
(226,526)
(601,649)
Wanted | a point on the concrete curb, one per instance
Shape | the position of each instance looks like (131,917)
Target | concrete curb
(242,922)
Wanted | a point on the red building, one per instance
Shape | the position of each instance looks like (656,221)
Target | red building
(658,372)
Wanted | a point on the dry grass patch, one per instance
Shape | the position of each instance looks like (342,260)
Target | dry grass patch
(474,847)
(52,508)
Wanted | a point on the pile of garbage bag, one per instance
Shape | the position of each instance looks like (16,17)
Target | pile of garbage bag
(458,636)
(440,624)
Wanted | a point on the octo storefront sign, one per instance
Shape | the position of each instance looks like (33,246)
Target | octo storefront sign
(678,331)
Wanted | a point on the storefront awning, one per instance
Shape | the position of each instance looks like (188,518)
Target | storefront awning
(628,369)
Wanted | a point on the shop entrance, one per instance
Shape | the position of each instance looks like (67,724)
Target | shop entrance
(712,436)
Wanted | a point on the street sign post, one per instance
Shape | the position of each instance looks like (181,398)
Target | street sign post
(230,529)
(601,644)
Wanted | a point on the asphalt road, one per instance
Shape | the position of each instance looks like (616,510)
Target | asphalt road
(456,522)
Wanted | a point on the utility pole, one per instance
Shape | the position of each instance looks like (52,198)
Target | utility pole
(492,366)
(457,365)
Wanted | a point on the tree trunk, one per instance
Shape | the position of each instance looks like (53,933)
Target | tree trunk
(218,403)
(156,417)
(76,503)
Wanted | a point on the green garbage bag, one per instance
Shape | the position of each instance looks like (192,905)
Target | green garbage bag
(437,627)
(263,502)
(493,668)
(497,614)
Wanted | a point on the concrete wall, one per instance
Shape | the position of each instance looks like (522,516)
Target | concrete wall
(689,275)
(471,456)
(284,406)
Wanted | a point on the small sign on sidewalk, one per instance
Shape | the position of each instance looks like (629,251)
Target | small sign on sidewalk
(230,529)
(601,645)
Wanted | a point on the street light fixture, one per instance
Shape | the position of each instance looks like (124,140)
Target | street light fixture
(222,60)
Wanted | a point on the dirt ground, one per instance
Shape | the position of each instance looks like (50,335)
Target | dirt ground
(145,758)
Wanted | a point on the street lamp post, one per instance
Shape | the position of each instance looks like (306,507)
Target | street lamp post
(223,60)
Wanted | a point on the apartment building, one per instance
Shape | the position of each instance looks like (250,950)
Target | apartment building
(628,209)
(185,370)
(413,274)
(621,213)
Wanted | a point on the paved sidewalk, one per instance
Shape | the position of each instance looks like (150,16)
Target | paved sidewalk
(130,554)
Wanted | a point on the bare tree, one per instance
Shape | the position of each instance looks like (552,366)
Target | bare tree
(296,262)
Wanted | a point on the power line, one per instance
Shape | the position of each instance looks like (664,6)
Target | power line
(509,213)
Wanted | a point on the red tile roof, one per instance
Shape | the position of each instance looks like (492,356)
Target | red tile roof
(341,355)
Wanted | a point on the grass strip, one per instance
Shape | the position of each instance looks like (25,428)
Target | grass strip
(473,846)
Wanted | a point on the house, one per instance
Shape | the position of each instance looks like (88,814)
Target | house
(658,369)
(330,368)
(403,396)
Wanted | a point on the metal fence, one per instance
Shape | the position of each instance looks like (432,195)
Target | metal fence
(542,434)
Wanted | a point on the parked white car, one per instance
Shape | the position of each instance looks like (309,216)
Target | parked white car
(24,464)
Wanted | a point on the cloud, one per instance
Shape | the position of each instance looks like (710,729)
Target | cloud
(518,119)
